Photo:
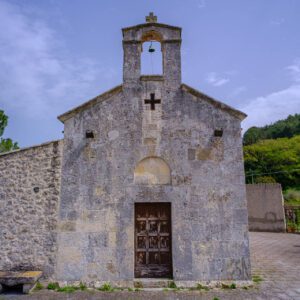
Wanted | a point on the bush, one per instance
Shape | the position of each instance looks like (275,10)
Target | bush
(68,289)
(106,287)
(38,286)
(265,179)
(292,194)
(53,286)
(172,285)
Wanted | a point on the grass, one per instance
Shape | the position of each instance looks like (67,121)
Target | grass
(200,287)
(172,285)
(138,284)
(106,287)
(66,289)
(257,279)
(227,286)
(53,286)
(38,286)
(292,196)
(82,286)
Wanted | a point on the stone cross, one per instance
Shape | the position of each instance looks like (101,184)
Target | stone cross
(151,18)
(152,101)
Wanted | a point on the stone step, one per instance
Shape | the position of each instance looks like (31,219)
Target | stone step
(152,283)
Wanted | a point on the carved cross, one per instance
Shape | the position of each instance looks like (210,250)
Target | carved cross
(152,101)
(151,18)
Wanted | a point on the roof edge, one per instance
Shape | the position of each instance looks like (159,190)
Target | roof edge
(30,147)
(235,112)
(67,115)
(149,25)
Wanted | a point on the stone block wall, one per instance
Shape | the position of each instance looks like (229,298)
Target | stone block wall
(29,196)
(265,207)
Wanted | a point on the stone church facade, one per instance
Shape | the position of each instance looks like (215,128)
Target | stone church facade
(148,182)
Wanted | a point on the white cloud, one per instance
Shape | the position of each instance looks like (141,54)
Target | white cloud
(276,106)
(37,72)
(294,70)
(216,80)
(273,107)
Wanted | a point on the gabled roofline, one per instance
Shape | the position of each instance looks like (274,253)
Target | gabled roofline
(234,112)
(150,25)
(67,115)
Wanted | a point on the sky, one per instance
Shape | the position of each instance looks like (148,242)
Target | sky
(57,54)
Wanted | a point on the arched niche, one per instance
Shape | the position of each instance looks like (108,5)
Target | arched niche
(152,171)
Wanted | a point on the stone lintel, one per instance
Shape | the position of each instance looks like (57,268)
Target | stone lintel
(23,277)
(152,78)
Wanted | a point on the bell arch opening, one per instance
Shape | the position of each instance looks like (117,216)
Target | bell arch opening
(152,171)
(151,55)
(151,58)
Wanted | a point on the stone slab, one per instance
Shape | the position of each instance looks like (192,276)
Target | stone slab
(15,278)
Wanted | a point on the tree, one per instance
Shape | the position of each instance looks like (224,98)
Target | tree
(274,159)
(5,144)
(288,127)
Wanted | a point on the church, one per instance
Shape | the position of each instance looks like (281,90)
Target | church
(147,183)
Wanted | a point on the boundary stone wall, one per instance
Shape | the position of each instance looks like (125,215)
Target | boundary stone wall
(29,196)
(265,207)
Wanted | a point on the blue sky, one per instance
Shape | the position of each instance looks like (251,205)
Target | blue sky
(56,54)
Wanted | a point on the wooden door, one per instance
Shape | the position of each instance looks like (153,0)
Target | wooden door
(153,257)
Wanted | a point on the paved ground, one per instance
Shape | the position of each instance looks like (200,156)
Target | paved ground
(275,257)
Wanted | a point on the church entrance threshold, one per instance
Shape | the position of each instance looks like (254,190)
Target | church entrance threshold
(153,256)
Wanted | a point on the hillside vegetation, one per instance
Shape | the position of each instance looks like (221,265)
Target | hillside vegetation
(288,127)
(272,154)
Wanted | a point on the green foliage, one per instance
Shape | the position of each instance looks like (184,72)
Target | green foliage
(53,286)
(232,286)
(280,157)
(130,290)
(227,286)
(292,196)
(67,289)
(82,286)
(265,179)
(288,127)
(106,287)
(216,298)
(202,287)
(5,144)
(3,122)
(38,286)
(172,285)
(257,279)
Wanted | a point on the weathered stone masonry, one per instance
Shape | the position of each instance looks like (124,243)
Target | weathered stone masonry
(29,195)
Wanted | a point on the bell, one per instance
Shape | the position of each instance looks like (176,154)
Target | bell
(151,49)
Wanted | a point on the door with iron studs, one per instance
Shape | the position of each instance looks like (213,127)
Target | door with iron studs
(153,256)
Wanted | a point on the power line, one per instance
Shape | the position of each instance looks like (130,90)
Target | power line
(267,173)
